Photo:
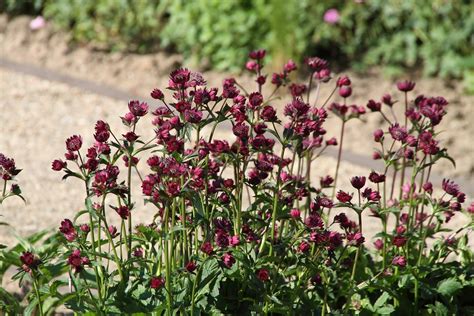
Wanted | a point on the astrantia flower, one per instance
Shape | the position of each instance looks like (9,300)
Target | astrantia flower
(450,187)
(179,78)
(77,261)
(68,230)
(255,100)
(399,261)
(157,282)
(74,143)
(58,165)
(314,221)
(138,108)
(405,86)
(157,94)
(263,275)
(290,66)
(207,248)
(191,266)
(387,100)
(295,213)
(316,63)
(378,244)
(358,182)
(228,260)
(376,178)
(304,247)
(374,106)
(123,212)
(343,81)
(399,241)
(398,133)
(343,197)
(257,54)
(29,261)
(345,91)
(355,239)
(326,181)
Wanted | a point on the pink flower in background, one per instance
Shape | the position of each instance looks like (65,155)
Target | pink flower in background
(37,23)
(332,16)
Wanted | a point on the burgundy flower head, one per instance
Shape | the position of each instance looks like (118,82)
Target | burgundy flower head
(74,143)
(257,54)
(358,182)
(228,260)
(138,108)
(157,282)
(263,275)
(405,86)
(68,230)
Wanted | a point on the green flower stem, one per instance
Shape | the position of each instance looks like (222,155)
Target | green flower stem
(129,184)
(339,155)
(166,241)
(275,199)
(40,304)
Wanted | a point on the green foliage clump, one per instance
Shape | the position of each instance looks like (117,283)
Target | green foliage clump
(111,24)
(437,35)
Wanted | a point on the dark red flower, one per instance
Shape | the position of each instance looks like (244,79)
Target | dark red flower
(191,266)
(378,135)
(74,143)
(255,100)
(374,106)
(304,247)
(263,275)
(355,239)
(450,187)
(316,63)
(85,228)
(345,91)
(228,260)
(331,142)
(295,213)
(268,114)
(399,241)
(58,165)
(343,197)
(358,182)
(207,248)
(387,100)
(399,261)
(257,54)
(77,261)
(29,261)
(157,94)
(137,108)
(343,81)
(398,133)
(68,230)
(405,86)
(123,211)
(157,282)
(376,178)
(314,221)
(290,66)
(378,244)
(326,181)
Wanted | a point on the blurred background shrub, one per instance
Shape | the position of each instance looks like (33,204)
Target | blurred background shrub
(436,36)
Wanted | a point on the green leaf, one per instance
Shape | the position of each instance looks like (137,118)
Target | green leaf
(449,286)
(381,300)
(386,310)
